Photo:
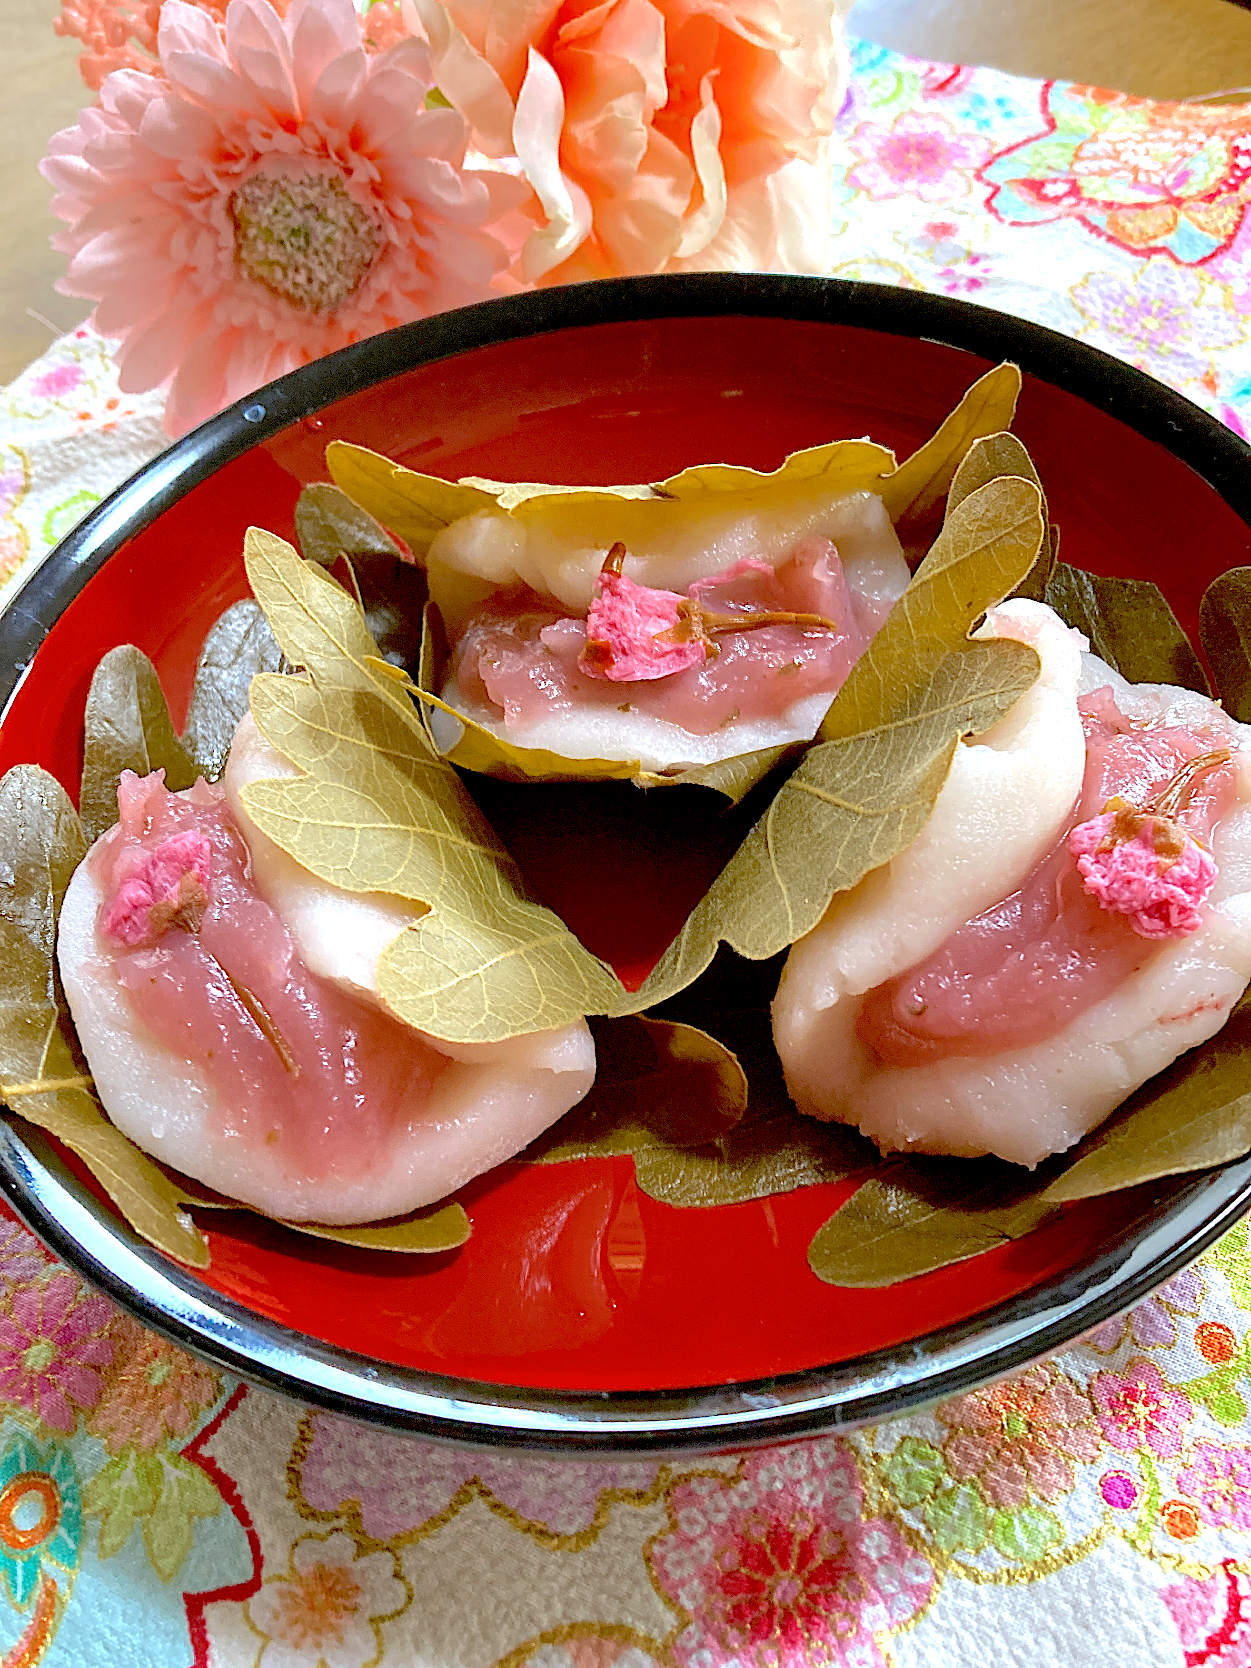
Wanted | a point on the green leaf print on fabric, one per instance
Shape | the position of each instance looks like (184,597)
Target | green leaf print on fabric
(958,1520)
(914,1471)
(1026,1535)
(162,1491)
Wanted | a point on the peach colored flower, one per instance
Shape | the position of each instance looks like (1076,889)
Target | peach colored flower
(153,1391)
(658,135)
(121,34)
(274,195)
(115,34)
(1022,1434)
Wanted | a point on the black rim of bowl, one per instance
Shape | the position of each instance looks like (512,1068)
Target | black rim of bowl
(1179,1219)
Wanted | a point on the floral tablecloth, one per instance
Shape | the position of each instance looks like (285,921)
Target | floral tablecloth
(153,1513)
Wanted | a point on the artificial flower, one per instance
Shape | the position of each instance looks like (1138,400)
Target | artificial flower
(115,34)
(121,34)
(277,192)
(658,135)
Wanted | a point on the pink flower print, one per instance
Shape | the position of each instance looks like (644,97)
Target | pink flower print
(1021,1435)
(1151,1325)
(22,1258)
(966,279)
(56,382)
(1137,1409)
(778,1567)
(152,1392)
(50,1347)
(399,1486)
(1168,320)
(920,155)
(329,1606)
(1219,1481)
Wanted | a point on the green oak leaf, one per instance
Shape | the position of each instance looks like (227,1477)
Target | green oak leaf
(378,810)
(864,792)
(914,494)
(127,727)
(238,646)
(43,1077)
(1225,627)
(1129,624)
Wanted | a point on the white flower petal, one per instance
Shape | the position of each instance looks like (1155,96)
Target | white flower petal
(319,32)
(254,25)
(468,82)
(700,225)
(536,139)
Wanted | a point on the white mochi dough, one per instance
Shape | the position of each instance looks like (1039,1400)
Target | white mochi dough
(670,546)
(492,1099)
(1027,1103)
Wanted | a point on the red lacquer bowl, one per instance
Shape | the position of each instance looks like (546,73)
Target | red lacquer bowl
(582,1315)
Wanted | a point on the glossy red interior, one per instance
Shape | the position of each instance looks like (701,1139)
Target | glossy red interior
(573,1279)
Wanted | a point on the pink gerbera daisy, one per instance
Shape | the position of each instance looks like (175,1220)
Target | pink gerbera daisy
(274,194)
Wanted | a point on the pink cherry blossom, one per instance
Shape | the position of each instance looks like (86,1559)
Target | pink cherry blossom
(777,1567)
(1137,1409)
(921,155)
(625,631)
(276,192)
(1128,877)
(50,1348)
(172,881)
(1218,1480)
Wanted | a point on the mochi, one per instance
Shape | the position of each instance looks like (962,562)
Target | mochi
(522,663)
(670,545)
(1023,1075)
(258,1095)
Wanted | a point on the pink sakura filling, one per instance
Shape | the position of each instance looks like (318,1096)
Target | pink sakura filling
(299,1068)
(520,660)
(1021,971)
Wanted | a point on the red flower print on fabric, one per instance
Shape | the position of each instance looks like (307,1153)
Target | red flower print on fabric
(779,1570)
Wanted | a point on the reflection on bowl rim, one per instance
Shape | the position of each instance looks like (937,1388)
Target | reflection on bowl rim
(948,1361)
